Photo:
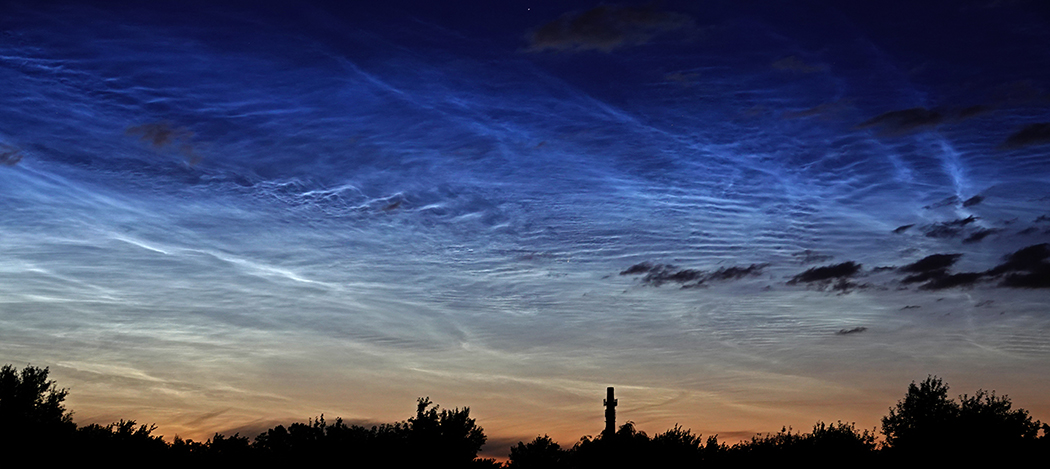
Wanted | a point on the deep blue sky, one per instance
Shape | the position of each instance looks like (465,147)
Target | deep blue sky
(742,214)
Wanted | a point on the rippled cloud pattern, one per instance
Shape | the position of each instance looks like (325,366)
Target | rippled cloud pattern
(218,218)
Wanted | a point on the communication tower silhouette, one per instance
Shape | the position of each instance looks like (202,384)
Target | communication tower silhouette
(610,412)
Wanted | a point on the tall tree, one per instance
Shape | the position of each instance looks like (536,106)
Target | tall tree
(929,426)
(924,418)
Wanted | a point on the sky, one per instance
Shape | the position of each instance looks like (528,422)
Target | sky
(744,215)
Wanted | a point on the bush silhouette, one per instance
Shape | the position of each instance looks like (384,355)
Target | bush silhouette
(826,444)
(540,453)
(679,447)
(125,437)
(433,436)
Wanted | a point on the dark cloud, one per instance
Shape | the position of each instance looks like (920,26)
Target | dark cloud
(931,263)
(905,120)
(932,272)
(948,229)
(827,273)
(836,277)
(855,330)
(1026,268)
(811,257)
(914,119)
(980,234)
(658,274)
(930,268)
(973,201)
(9,155)
(161,135)
(903,228)
(958,228)
(639,268)
(1028,231)
(910,307)
(672,274)
(844,286)
(794,64)
(946,202)
(605,27)
(966,279)
(736,273)
(942,231)
(1025,259)
(924,276)
(1042,218)
(1032,134)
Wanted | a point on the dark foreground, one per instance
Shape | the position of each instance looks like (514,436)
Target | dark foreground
(925,428)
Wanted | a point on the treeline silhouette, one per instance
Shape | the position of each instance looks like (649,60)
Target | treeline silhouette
(925,428)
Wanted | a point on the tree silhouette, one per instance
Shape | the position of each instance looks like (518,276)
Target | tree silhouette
(31,409)
(449,436)
(996,418)
(927,426)
(922,419)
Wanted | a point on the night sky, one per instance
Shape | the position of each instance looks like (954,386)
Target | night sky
(742,214)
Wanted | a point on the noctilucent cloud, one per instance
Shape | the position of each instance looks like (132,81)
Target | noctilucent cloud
(743,215)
